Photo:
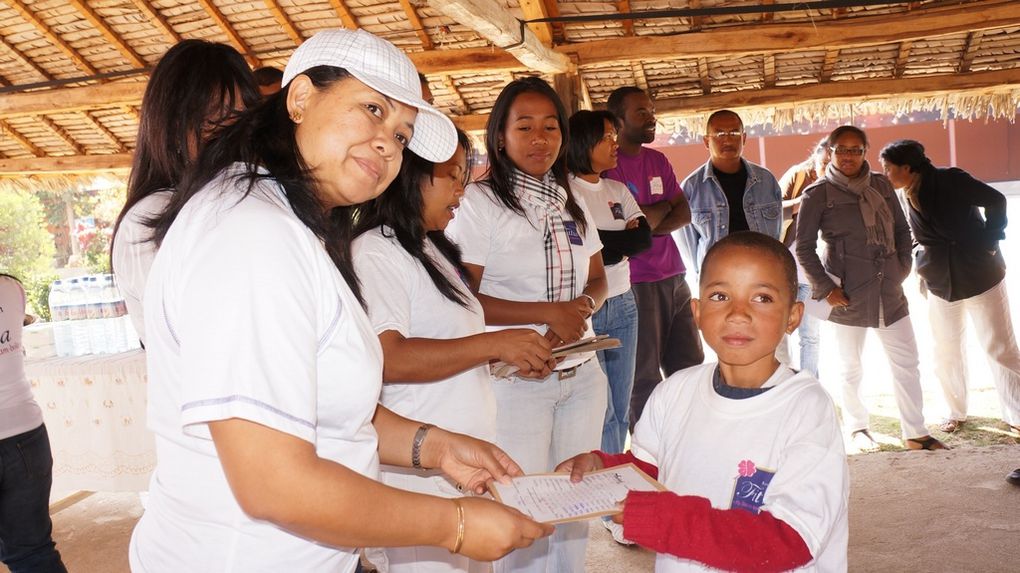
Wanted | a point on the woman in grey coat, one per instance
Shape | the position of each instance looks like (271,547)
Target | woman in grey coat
(867,257)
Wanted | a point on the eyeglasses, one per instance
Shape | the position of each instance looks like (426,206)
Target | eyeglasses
(724,134)
(853,151)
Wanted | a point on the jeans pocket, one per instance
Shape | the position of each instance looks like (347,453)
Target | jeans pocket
(35,453)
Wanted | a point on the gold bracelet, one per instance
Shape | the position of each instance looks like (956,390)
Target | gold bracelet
(460,527)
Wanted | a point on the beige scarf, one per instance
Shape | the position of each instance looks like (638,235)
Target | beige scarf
(878,218)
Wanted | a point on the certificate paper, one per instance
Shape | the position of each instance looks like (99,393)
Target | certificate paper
(552,498)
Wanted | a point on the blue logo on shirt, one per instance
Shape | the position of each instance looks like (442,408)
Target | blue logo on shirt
(749,489)
(572,234)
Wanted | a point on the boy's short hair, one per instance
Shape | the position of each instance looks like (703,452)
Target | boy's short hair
(267,75)
(763,244)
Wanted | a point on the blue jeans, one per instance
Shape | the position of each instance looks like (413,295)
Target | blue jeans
(26,466)
(807,333)
(619,319)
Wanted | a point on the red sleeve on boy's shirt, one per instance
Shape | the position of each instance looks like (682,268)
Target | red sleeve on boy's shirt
(729,539)
(611,460)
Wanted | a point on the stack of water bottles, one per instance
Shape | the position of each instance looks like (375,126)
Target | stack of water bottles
(89,317)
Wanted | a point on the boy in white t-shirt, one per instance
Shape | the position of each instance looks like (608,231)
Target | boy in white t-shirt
(749,449)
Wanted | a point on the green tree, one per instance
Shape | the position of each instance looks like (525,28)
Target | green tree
(26,247)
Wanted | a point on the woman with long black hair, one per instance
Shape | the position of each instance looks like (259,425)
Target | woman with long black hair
(264,371)
(532,256)
(196,88)
(432,329)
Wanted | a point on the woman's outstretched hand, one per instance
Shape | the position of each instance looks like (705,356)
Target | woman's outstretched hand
(491,530)
(468,461)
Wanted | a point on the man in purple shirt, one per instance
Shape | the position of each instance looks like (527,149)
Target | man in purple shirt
(667,336)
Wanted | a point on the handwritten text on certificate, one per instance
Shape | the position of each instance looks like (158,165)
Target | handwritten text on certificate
(552,498)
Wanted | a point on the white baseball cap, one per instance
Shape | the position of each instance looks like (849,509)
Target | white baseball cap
(383,67)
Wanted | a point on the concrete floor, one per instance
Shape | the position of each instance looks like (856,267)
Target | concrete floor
(909,511)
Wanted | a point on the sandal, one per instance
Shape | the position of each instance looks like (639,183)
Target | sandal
(950,425)
(863,442)
(925,443)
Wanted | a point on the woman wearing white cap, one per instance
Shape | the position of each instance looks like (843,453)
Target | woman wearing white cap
(264,370)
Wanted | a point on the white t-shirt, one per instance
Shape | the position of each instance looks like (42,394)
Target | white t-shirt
(19,412)
(511,247)
(402,297)
(721,449)
(248,318)
(611,206)
(133,253)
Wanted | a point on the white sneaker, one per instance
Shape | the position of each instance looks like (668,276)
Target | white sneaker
(617,530)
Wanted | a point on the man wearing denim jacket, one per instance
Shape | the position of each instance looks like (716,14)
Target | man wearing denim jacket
(727,179)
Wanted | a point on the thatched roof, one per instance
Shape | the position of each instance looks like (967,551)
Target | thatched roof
(72,71)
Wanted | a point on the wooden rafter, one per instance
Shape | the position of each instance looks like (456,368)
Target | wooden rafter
(738,41)
(7,129)
(62,134)
(93,121)
(51,37)
(703,79)
(695,20)
(552,8)
(70,164)
(235,39)
(902,55)
(969,50)
(344,13)
(491,21)
(24,59)
(842,91)
(828,65)
(640,78)
(65,100)
(156,18)
(284,20)
(769,70)
(767,16)
(533,10)
(623,7)
(415,22)
(462,106)
(108,33)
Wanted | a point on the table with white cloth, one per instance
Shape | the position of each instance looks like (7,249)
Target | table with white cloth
(94,409)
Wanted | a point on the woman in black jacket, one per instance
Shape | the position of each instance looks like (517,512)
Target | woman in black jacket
(960,263)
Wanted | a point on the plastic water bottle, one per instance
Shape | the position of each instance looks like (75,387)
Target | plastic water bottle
(94,315)
(125,326)
(113,326)
(78,317)
(59,310)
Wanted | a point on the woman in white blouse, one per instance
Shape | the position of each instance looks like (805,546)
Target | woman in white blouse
(532,255)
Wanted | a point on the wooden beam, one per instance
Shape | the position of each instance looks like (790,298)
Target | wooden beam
(108,33)
(902,55)
(284,20)
(63,100)
(235,39)
(738,41)
(855,91)
(62,134)
(465,61)
(769,70)
(640,78)
(8,130)
(415,21)
(493,22)
(344,13)
(767,16)
(552,8)
(828,65)
(703,79)
(534,10)
(69,164)
(92,120)
(623,7)
(695,20)
(969,49)
(158,20)
(462,106)
(52,38)
(24,59)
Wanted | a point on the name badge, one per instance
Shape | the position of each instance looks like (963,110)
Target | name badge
(655,184)
(617,210)
(572,234)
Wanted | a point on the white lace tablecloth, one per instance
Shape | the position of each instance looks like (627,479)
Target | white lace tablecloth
(94,408)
